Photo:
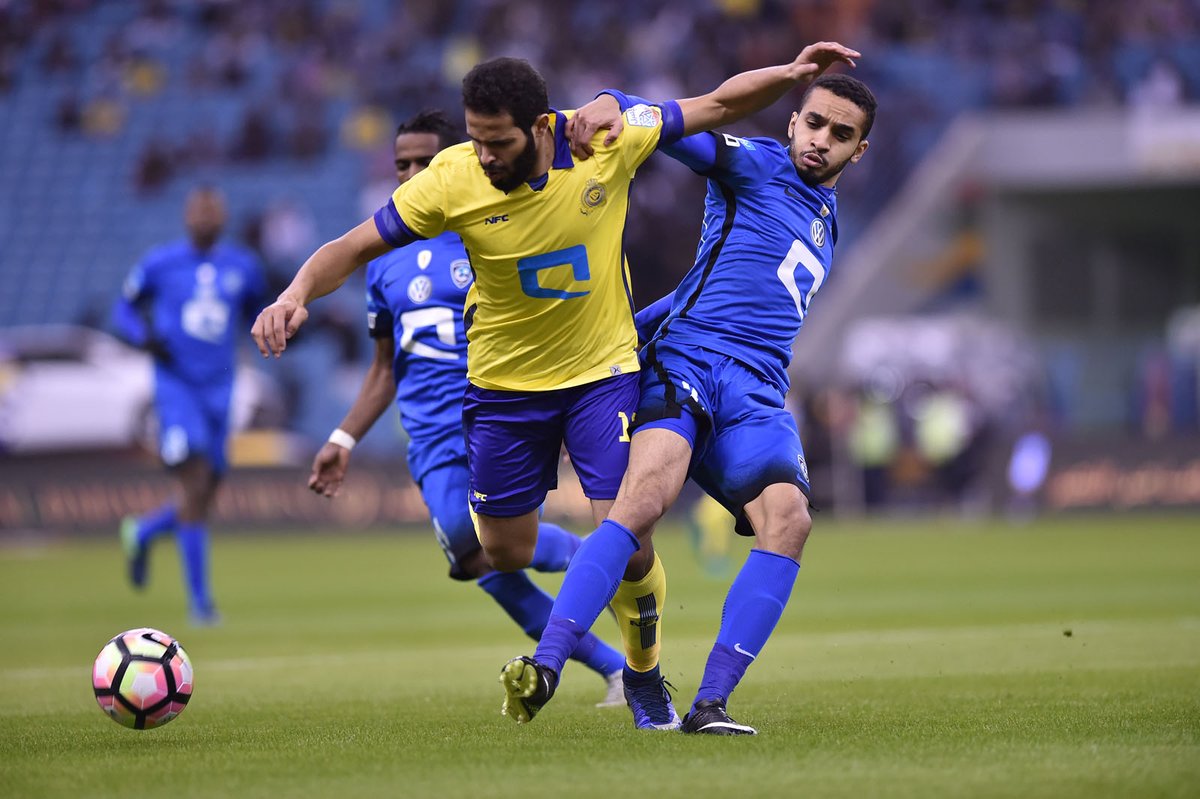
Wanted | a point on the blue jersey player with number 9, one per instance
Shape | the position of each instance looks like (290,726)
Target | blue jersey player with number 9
(715,376)
(415,301)
(551,355)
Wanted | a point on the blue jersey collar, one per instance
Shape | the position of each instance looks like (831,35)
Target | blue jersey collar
(562,147)
(562,151)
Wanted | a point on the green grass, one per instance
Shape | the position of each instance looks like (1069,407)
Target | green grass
(916,659)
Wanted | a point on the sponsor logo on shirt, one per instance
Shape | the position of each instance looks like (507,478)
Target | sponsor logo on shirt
(817,229)
(493,220)
(419,289)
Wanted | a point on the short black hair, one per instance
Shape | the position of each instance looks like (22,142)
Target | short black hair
(434,121)
(849,88)
(506,84)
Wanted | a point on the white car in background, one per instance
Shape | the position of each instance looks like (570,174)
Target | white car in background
(68,387)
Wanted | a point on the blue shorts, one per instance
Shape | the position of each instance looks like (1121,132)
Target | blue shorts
(434,447)
(444,490)
(743,438)
(193,421)
(514,439)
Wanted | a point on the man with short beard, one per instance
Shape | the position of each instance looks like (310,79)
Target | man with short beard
(551,355)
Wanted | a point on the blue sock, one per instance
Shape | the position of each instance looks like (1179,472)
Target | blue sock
(591,580)
(752,609)
(529,606)
(555,548)
(155,523)
(193,549)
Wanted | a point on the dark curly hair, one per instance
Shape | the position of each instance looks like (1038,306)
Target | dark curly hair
(506,84)
(849,88)
(434,121)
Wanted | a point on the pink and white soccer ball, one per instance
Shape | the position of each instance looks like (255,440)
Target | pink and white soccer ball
(142,678)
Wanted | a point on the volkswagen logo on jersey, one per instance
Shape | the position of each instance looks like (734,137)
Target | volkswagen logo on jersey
(460,273)
(420,288)
(817,229)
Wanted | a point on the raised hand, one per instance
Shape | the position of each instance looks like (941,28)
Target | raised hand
(820,56)
(603,113)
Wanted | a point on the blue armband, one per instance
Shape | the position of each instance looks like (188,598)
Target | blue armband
(392,228)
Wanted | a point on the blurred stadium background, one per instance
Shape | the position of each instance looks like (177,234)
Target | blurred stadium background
(1013,325)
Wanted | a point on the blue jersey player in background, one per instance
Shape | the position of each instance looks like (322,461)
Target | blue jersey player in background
(415,301)
(186,303)
(714,378)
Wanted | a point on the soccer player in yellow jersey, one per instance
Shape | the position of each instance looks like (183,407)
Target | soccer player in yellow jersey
(551,355)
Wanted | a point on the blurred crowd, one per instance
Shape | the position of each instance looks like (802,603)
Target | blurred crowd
(316,74)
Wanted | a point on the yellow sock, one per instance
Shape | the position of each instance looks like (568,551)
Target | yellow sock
(638,606)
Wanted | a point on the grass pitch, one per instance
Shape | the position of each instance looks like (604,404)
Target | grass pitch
(916,659)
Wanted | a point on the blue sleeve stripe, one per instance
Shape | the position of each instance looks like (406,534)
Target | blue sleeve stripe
(623,100)
(392,228)
(672,124)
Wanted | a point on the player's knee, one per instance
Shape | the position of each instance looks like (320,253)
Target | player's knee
(787,530)
(508,556)
(639,511)
(472,566)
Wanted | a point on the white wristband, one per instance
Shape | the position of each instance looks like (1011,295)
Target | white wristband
(342,439)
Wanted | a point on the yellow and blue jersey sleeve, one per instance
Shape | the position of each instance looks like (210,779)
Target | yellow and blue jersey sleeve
(422,201)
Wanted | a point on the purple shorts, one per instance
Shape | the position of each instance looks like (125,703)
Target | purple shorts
(514,439)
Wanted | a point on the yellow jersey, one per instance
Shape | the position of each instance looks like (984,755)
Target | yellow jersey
(551,305)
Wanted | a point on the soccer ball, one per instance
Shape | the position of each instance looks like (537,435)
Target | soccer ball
(142,678)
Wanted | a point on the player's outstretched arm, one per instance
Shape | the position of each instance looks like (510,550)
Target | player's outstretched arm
(322,273)
(376,394)
(749,92)
(739,97)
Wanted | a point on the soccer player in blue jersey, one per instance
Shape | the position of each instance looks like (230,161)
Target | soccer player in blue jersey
(415,300)
(714,379)
(551,355)
(183,303)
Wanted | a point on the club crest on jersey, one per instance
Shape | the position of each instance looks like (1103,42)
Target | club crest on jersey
(593,196)
(420,288)
(231,282)
(643,116)
(817,229)
(460,273)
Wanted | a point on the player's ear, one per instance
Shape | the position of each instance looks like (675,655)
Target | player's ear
(792,124)
(542,123)
(859,150)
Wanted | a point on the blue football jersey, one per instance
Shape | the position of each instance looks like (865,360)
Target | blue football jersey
(765,249)
(416,295)
(198,307)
